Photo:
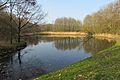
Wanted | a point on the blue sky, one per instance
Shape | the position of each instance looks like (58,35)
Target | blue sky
(77,9)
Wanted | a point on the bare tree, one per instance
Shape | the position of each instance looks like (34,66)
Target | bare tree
(3,4)
(11,6)
(106,20)
(28,14)
(67,24)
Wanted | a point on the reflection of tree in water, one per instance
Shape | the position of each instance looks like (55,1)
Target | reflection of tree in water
(48,39)
(67,43)
(90,45)
(4,63)
(63,43)
(95,45)
(13,68)
(25,70)
(34,40)
(31,40)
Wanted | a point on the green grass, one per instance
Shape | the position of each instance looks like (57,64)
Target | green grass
(104,65)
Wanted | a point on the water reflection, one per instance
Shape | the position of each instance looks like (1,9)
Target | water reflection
(19,57)
(47,54)
(12,68)
(95,45)
(91,45)
(67,43)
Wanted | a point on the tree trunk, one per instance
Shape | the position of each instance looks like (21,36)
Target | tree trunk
(19,30)
(19,35)
(11,35)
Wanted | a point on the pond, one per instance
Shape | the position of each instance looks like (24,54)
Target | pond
(47,54)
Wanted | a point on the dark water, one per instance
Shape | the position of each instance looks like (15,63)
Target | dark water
(47,54)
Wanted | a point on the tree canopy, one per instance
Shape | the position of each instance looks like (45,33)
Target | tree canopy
(106,20)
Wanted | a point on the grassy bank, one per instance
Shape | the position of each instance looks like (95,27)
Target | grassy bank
(104,65)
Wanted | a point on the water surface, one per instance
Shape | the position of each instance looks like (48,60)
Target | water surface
(48,54)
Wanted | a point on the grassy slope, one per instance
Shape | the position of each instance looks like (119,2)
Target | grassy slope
(104,65)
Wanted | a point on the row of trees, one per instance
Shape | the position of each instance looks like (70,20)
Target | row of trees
(17,16)
(22,13)
(67,24)
(5,29)
(63,25)
(106,20)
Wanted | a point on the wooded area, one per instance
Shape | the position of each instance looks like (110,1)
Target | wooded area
(18,15)
(24,16)
(106,20)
